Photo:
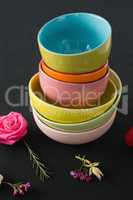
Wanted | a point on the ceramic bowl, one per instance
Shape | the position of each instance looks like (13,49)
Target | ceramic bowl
(72,95)
(74,138)
(69,115)
(75,43)
(77,127)
(75,78)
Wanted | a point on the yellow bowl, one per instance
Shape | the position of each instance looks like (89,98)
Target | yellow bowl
(75,42)
(69,115)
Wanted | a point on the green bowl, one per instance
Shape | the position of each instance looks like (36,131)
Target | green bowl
(91,124)
(77,127)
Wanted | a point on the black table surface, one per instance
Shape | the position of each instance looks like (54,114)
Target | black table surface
(19,57)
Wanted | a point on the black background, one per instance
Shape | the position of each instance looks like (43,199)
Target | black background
(19,57)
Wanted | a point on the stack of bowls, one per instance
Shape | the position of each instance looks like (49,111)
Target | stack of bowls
(75,95)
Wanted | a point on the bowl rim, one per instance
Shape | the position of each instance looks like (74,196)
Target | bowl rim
(74,83)
(78,133)
(32,94)
(87,77)
(74,54)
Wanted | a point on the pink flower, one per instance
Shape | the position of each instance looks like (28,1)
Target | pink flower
(21,189)
(13,127)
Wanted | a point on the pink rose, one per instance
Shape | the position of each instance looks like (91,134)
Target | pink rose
(13,127)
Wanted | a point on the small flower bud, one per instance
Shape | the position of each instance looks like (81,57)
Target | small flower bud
(1,179)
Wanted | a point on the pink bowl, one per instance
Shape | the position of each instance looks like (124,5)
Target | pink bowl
(72,94)
(74,138)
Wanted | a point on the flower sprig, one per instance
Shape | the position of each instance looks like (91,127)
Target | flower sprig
(93,167)
(16,188)
(87,170)
(39,167)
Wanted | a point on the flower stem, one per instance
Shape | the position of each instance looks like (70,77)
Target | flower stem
(9,184)
(83,160)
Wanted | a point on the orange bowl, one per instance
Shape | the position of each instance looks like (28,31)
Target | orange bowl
(75,78)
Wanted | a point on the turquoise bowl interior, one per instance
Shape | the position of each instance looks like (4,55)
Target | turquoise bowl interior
(74,33)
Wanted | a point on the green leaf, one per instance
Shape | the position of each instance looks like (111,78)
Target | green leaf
(90,172)
(97,172)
